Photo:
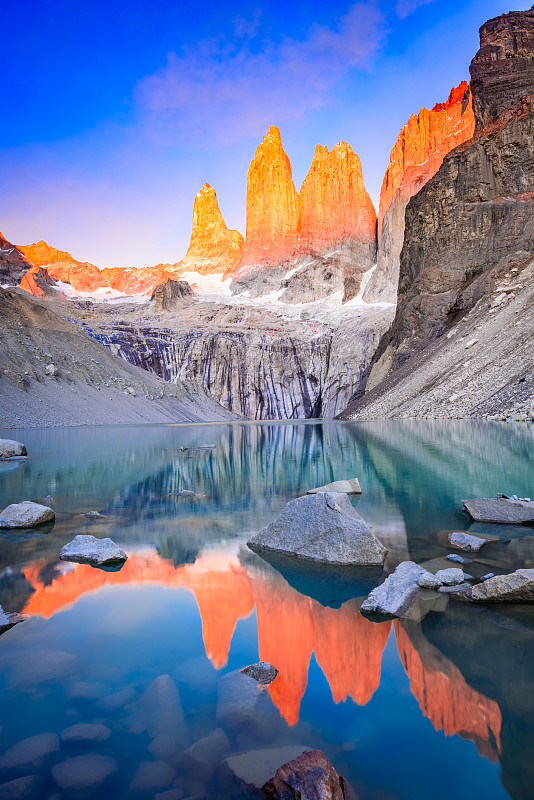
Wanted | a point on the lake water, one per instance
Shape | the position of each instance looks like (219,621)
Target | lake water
(412,710)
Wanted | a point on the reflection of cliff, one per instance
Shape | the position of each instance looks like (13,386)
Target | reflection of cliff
(443,695)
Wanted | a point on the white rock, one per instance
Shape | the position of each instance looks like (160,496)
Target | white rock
(10,448)
(452,576)
(85,548)
(429,581)
(25,515)
(465,541)
(398,592)
(350,486)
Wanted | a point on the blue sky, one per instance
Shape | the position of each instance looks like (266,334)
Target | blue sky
(116,113)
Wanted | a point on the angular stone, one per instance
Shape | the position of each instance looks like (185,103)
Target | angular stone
(90,550)
(350,486)
(244,703)
(82,776)
(262,672)
(429,581)
(118,699)
(463,589)
(8,620)
(29,787)
(31,752)
(207,753)
(25,515)
(10,448)
(322,527)
(395,596)
(310,776)
(518,587)
(459,559)
(450,577)
(510,512)
(151,776)
(161,709)
(86,732)
(464,541)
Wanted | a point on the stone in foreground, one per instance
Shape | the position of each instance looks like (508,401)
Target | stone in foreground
(465,541)
(398,592)
(25,515)
(322,527)
(429,581)
(87,549)
(350,486)
(256,767)
(310,776)
(508,512)
(518,587)
(10,448)
(262,672)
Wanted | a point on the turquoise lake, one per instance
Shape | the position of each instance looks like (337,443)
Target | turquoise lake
(408,710)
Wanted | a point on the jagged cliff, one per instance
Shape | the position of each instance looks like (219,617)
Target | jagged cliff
(417,155)
(13,263)
(468,252)
(213,248)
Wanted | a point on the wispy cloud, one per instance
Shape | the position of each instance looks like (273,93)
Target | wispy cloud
(406,7)
(222,91)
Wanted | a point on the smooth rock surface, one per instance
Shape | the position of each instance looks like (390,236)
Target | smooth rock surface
(398,592)
(10,448)
(350,486)
(205,754)
(86,732)
(510,512)
(82,776)
(256,767)
(85,548)
(322,527)
(25,515)
(151,776)
(30,787)
(30,753)
(518,587)
(161,709)
(243,703)
(450,577)
(262,672)
(465,541)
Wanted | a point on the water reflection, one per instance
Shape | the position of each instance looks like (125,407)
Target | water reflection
(192,601)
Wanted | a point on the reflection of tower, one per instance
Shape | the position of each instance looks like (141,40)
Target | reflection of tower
(443,695)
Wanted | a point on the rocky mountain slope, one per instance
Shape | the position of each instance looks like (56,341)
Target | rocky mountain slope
(52,373)
(460,342)
(13,263)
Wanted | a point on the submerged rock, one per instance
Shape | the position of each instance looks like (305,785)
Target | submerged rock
(459,559)
(82,776)
(25,515)
(262,672)
(398,592)
(256,767)
(151,776)
(86,732)
(518,587)
(322,527)
(510,512)
(245,704)
(29,787)
(350,486)
(464,541)
(205,755)
(94,515)
(30,753)
(162,712)
(10,448)
(85,548)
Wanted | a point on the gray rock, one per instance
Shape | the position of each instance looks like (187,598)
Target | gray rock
(10,448)
(207,753)
(509,512)
(94,515)
(82,776)
(459,559)
(87,549)
(29,787)
(25,515)
(429,581)
(30,753)
(9,619)
(310,776)
(487,576)
(458,588)
(518,587)
(464,541)
(395,596)
(322,527)
(161,709)
(450,577)
(151,776)
(244,703)
(86,732)
(350,486)
(262,672)
(256,767)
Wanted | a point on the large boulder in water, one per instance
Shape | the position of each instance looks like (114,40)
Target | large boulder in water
(509,512)
(10,448)
(322,527)
(518,587)
(397,594)
(86,549)
(25,515)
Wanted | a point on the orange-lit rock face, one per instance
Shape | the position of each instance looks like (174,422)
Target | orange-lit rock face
(60,265)
(334,203)
(213,247)
(423,143)
(445,698)
(273,209)
(135,281)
